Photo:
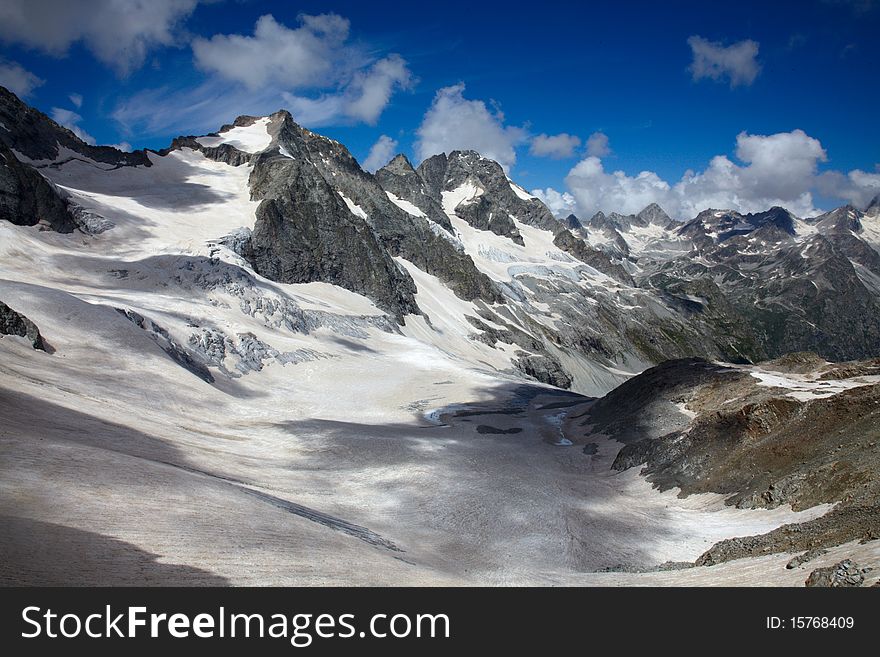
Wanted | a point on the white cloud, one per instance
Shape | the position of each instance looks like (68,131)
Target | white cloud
(560,204)
(120,34)
(362,100)
(314,57)
(310,69)
(857,187)
(275,54)
(594,189)
(380,153)
(456,123)
(597,145)
(76,99)
(18,80)
(371,91)
(122,146)
(70,120)
(736,62)
(556,146)
(779,169)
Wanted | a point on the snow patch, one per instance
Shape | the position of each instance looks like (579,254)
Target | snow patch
(804,388)
(406,206)
(250,139)
(462,195)
(519,191)
(353,207)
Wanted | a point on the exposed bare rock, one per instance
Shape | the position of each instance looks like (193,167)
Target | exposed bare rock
(14,323)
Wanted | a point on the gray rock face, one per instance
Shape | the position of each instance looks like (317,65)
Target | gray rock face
(400,178)
(498,204)
(598,260)
(544,369)
(28,199)
(14,323)
(806,557)
(35,135)
(654,214)
(572,222)
(788,296)
(247,352)
(222,153)
(841,575)
(306,231)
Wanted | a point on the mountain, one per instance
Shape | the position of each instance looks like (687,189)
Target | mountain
(247,355)
(797,430)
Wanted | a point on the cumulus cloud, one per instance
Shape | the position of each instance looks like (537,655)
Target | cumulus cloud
(71,120)
(362,100)
(856,187)
(380,153)
(315,56)
(18,80)
(597,145)
(737,62)
(275,54)
(311,69)
(556,146)
(779,169)
(455,123)
(594,189)
(560,204)
(120,34)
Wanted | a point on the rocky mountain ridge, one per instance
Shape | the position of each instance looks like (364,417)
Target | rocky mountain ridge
(572,303)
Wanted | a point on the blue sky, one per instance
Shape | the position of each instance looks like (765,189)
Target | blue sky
(785,93)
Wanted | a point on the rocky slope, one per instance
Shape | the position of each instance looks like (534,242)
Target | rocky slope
(795,431)
(580,305)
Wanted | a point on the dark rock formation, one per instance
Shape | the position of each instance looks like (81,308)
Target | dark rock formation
(28,199)
(38,137)
(14,323)
(842,574)
(543,368)
(306,230)
(400,178)
(806,557)
(221,153)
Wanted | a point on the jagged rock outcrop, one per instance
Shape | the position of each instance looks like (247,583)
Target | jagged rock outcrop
(14,323)
(598,260)
(572,222)
(28,199)
(221,153)
(796,431)
(497,201)
(399,178)
(841,575)
(346,233)
(544,369)
(36,136)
